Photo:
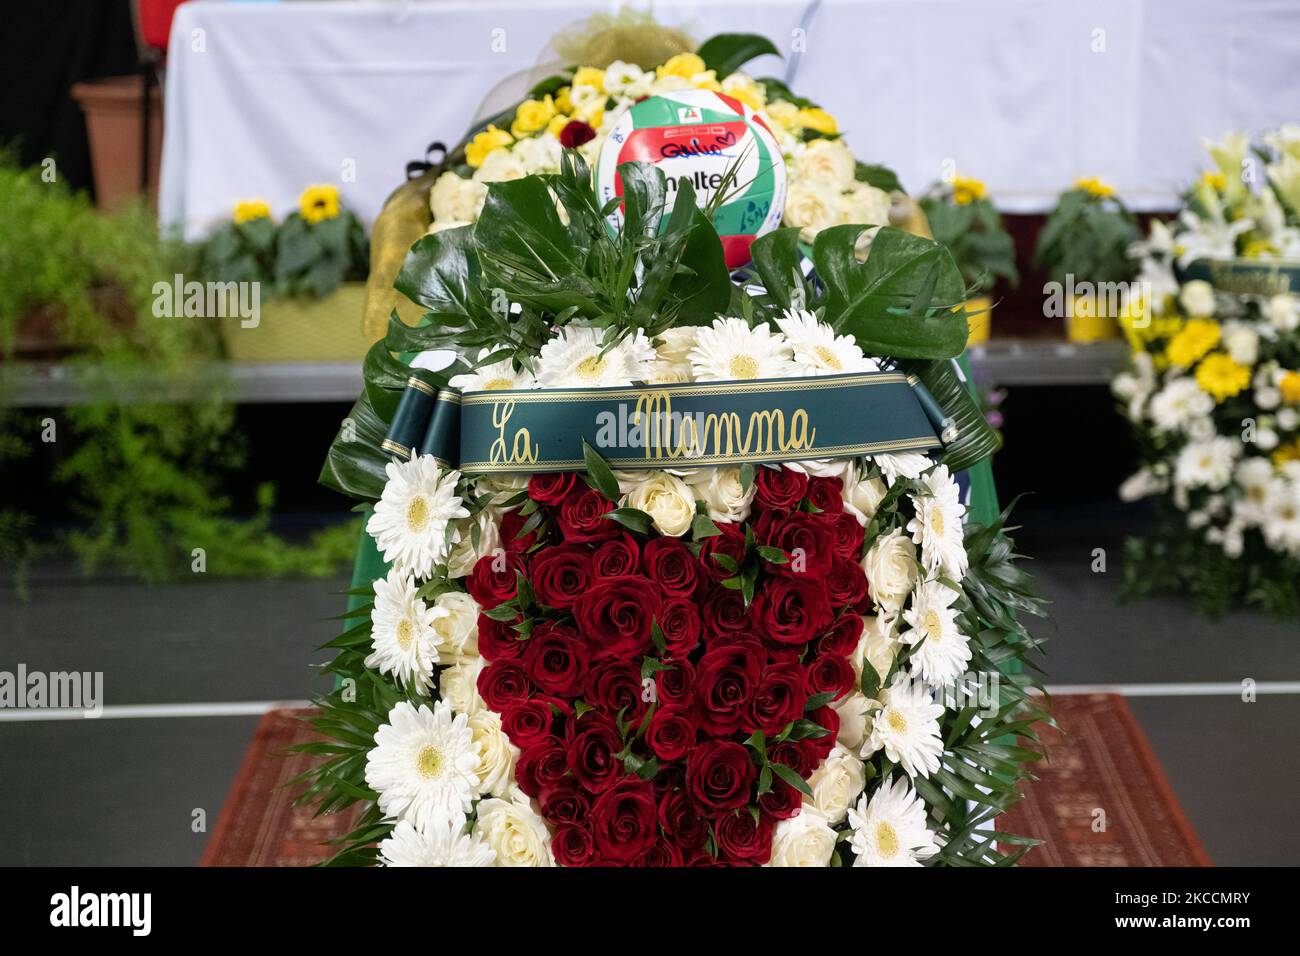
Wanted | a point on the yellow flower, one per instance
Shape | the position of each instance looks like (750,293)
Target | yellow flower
(1222,376)
(1196,338)
(1290,386)
(741,87)
(966,189)
(1259,249)
(318,203)
(1214,180)
(250,209)
(1094,187)
(557,124)
(589,76)
(1286,453)
(685,65)
(532,115)
(784,114)
(563,102)
(816,118)
(706,80)
(484,143)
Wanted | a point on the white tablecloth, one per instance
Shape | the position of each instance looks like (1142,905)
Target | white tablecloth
(263,99)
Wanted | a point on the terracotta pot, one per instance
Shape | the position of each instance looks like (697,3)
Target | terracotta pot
(114,117)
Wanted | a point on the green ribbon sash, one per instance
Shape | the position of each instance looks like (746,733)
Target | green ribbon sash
(1266,277)
(666,426)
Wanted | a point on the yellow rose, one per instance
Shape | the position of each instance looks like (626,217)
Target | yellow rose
(484,143)
(784,114)
(564,100)
(532,115)
(251,209)
(741,87)
(590,76)
(557,124)
(706,80)
(685,65)
(818,119)
(318,203)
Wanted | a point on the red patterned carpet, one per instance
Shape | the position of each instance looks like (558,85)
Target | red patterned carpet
(1102,762)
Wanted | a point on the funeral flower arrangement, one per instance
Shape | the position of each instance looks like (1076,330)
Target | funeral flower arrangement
(750,664)
(579,107)
(1213,387)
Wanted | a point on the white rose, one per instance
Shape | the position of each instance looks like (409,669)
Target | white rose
(676,344)
(501,487)
(455,199)
(1283,311)
(853,708)
(891,568)
(863,498)
(667,500)
(1242,343)
(812,207)
(464,553)
(457,630)
(515,831)
(1197,298)
(539,154)
(627,79)
(805,839)
(837,783)
(501,165)
(721,490)
(866,205)
(458,686)
(496,754)
(825,161)
(877,647)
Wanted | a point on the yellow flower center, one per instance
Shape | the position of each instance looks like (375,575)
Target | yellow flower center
(497,384)
(429,762)
(933,624)
(417,514)
(886,839)
(896,722)
(591,367)
(936,520)
(405,633)
(743,366)
(829,358)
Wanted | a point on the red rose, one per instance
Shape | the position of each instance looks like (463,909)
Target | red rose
(670,564)
(575,133)
(565,804)
(779,488)
(793,755)
(742,840)
(792,610)
(829,674)
(502,683)
(781,802)
(527,723)
(780,699)
(573,846)
(560,574)
(495,578)
(719,776)
(725,680)
(842,639)
(848,535)
(674,686)
(582,517)
(615,615)
(553,488)
(512,523)
(681,821)
(615,686)
(724,614)
(808,542)
(730,545)
(617,557)
(846,584)
(624,820)
(498,640)
(679,620)
(591,753)
(662,853)
(818,748)
(556,660)
(826,494)
(540,767)
(671,733)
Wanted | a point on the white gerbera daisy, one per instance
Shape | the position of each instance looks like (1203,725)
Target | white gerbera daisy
(1207,464)
(907,727)
(492,378)
(425,764)
(943,656)
(402,632)
(577,358)
(1179,403)
(903,464)
(937,527)
(889,827)
(1281,524)
(731,350)
(445,843)
(817,349)
(1255,478)
(411,517)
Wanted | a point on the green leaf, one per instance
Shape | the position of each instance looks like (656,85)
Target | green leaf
(882,177)
(599,474)
(632,519)
(976,439)
(897,303)
(791,776)
(441,274)
(703,527)
(728,52)
(778,260)
(772,555)
(355,463)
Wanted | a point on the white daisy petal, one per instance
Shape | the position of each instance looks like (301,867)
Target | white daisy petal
(410,520)
(730,350)
(443,844)
(889,827)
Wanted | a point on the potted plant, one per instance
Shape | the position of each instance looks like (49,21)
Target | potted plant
(965,220)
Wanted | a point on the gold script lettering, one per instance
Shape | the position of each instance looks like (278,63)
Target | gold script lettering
(520,450)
